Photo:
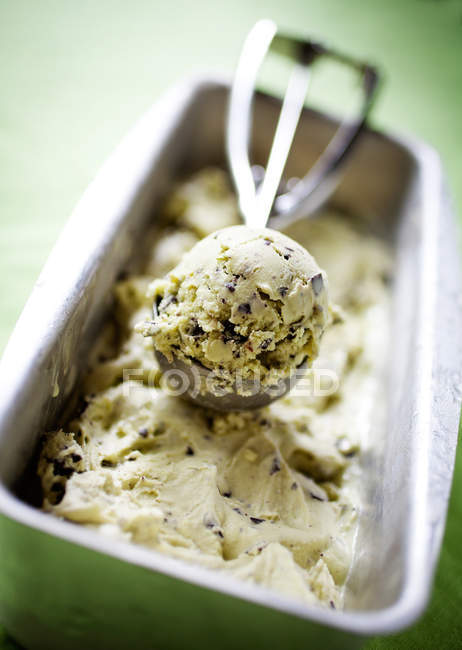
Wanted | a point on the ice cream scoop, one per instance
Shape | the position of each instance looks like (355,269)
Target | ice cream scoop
(244,311)
(248,307)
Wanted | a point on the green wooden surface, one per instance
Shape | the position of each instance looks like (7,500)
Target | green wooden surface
(74,75)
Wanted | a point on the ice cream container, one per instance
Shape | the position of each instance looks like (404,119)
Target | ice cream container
(65,586)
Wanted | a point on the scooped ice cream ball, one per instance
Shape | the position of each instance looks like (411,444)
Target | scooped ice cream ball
(243,301)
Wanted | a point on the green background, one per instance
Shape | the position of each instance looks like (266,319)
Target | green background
(74,75)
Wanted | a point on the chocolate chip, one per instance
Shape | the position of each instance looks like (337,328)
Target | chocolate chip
(168,300)
(317,283)
(265,344)
(294,486)
(293,325)
(189,451)
(228,494)
(276,466)
(256,520)
(219,533)
(230,286)
(287,256)
(245,308)
(331,603)
(58,490)
(196,330)
(143,432)
(59,469)
(230,333)
(283,291)
(76,458)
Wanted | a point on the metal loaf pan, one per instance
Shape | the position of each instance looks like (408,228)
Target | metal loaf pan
(63,586)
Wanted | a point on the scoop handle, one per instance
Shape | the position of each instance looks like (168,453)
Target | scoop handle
(257,205)
(253,52)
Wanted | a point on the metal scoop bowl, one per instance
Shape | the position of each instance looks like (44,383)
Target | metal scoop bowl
(180,378)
